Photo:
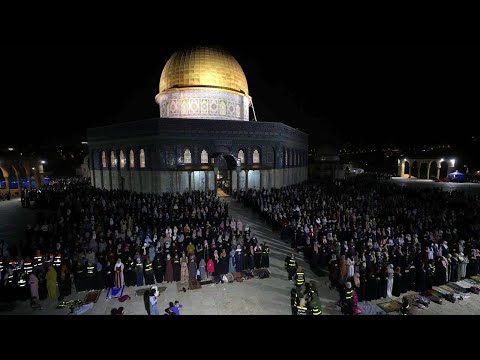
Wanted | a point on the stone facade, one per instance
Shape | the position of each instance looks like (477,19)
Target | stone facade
(275,155)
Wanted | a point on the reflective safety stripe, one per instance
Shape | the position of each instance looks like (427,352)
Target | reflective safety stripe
(301,310)
(316,311)
(349,294)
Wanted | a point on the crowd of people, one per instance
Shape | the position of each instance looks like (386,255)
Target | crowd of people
(94,239)
(383,239)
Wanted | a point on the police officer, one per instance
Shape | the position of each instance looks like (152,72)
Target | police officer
(79,277)
(28,266)
(148,273)
(257,257)
(405,309)
(265,256)
(91,282)
(38,261)
(302,308)
(130,279)
(291,266)
(295,300)
(57,261)
(10,284)
(299,278)
(23,290)
(348,299)
(314,304)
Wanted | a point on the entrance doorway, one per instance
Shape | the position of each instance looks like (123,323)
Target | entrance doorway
(224,183)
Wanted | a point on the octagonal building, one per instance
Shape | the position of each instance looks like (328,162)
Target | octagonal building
(203,140)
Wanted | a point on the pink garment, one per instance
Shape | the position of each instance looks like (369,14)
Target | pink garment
(210,266)
(33,281)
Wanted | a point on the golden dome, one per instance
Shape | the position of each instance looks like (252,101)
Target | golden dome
(203,67)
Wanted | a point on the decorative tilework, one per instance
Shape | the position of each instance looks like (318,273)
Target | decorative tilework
(223,108)
(203,103)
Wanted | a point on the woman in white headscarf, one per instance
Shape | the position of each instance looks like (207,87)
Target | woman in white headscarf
(119,280)
(390,274)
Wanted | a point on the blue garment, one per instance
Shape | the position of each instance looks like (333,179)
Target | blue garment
(139,278)
(153,306)
(239,261)
(151,253)
(176,309)
(231,267)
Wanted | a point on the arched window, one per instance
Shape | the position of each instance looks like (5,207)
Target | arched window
(256,157)
(132,159)
(123,160)
(104,159)
(204,157)
(113,159)
(187,157)
(142,159)
(241,157)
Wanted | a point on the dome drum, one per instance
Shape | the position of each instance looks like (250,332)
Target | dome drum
(199,103)
(203,83)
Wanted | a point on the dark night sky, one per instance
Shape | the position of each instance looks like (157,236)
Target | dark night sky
(379,94)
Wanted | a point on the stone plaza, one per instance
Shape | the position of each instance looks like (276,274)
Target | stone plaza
(269,296)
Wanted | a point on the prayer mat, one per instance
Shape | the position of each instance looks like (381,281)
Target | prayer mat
(92,297)
(447,288)
(370,309)
(457,288)
(124,298)
(182,285)
(436,293)
(70,303)
(434,298)
(390,306)
(465,284)
(206,282)
(441,291)
(140,292)
(114,293)
(470,281)
(476,279)
(195,285)
(81,309)
(261,273)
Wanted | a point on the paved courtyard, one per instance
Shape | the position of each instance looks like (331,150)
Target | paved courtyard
(252,297)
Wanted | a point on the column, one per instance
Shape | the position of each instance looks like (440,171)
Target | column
(215,177)
(246,179)
(428,171)
(206,180)
(189,181)
(238,180)
(438,171)
(261,180)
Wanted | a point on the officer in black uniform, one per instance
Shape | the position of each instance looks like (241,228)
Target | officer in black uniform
(130,278)
(347,303)
(79,277)
(295,300)
(148,273)
(299,278)
(157,270)
(302,307)
(91,282)
(291,266)
(265,256)
(405,309)
(23,290)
